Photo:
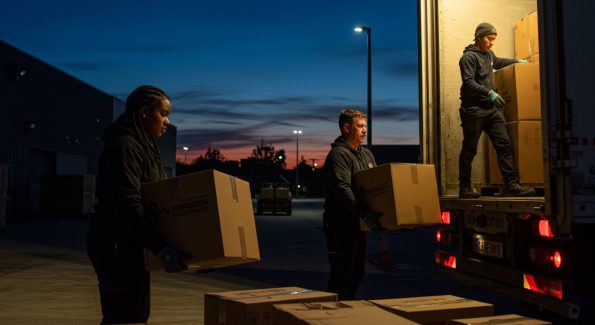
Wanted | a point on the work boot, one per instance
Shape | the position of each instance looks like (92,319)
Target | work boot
(467,192)
(516,189)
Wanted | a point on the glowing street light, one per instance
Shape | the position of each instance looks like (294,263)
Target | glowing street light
(185,154)
(368,31)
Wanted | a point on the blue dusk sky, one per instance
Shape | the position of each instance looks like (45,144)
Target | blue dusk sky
(238,72)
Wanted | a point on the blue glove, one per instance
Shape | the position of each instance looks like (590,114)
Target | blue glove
(371,220)
(522,61)
(496,99)
(171,259)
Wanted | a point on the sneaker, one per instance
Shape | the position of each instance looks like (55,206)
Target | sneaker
(467,192)
(516,189)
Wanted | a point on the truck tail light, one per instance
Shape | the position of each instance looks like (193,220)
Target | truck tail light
(543,285)
(446,259)
(550,257)
(445,236)
(445,217)
(542,228)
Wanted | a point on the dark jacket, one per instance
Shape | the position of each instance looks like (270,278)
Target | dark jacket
(128,159)
(477,76)
(342,208)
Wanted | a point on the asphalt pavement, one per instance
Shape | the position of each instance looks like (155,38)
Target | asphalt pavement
(46,278)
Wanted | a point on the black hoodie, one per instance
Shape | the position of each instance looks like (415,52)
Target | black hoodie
(477,75)
(341,205)
(128,159)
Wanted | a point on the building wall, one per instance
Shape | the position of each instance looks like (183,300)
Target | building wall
(51,124)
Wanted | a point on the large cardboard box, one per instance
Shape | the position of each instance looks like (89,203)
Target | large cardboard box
(518,84)
(330,313)
(526,37)
(405,194)
(500,319)
(436,309)
(527,149)
(255,307)
(207,214)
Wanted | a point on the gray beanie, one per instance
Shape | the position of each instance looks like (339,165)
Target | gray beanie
(484,29)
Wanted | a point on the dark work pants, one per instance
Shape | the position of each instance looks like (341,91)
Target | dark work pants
(347,258)
(494,125)
(124,285)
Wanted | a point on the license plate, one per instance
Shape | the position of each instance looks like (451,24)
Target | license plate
(488,248)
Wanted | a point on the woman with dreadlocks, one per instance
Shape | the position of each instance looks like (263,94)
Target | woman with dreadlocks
(119,231)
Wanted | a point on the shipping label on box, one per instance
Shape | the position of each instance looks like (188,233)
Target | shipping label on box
(207,214)
(526,37)
(255,307)
(500,319)
(405,194)
(527,149)
(519,86)
(331,313)
(435,309)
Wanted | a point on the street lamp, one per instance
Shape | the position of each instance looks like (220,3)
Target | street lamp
(297,160)
(185,154)
(368,31)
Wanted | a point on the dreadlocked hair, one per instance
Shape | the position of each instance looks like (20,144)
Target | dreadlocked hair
(144,96)
(150,97)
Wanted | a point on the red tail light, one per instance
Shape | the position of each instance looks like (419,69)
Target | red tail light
(438,235)
(543,285)
(546,256)
(445,217)
(542,228)
(445,259)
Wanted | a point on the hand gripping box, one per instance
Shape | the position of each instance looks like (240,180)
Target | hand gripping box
(435,310)
(255,307)
(330,313)
(405,194)
(508,319)
(207,214)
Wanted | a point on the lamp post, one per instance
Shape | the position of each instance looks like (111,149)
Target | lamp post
(297,160)
(185,154)
(368,31)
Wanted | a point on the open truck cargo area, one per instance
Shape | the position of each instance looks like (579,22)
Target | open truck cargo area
(536,249)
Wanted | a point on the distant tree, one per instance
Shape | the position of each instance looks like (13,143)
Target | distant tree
(280,159)
(265,152)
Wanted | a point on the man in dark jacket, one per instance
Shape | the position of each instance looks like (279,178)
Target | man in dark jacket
(346,243)
(480,111)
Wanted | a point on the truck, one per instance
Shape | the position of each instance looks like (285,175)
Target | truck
(536,249)
(274,198)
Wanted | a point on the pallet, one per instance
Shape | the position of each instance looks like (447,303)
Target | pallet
(498,190)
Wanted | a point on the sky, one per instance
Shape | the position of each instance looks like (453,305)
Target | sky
(238,72)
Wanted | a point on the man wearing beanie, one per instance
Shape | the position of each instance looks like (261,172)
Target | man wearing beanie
(480,111)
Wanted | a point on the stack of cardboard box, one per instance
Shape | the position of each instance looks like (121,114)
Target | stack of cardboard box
(67,195)
(519,85)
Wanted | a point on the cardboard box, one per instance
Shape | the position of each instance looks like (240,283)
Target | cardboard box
(255,307)
(207,214)
(519,85)
(501,319)
(330,313)
(527,150)
(436,309)
(405,194)
(526,37)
